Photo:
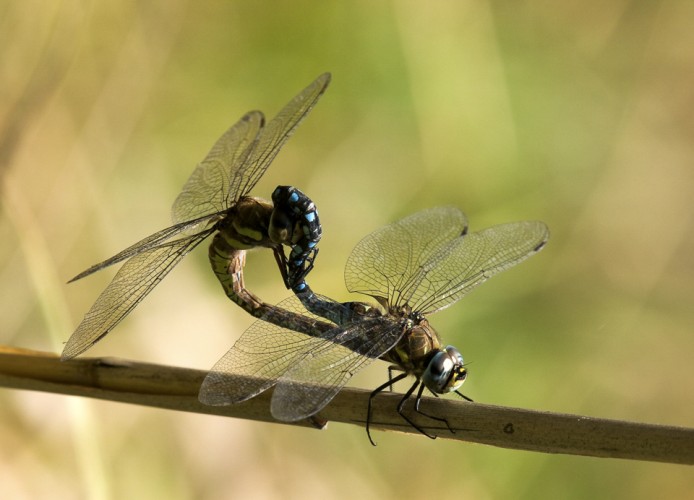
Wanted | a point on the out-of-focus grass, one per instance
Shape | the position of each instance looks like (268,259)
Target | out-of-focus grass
(578,115)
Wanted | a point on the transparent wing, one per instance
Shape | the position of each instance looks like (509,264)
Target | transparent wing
(262,354)
(310,370)
(428,260)
(241,156)
(207,188)
(150,242)
(273,136)
(135,279)
(388,263)
(472,259)
(313,381)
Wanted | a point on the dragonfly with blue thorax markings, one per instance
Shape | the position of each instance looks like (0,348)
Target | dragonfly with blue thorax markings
(215,200)
(412,268)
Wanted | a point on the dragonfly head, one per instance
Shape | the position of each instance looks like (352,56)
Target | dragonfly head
(445,372)
(281,227)
(294,218)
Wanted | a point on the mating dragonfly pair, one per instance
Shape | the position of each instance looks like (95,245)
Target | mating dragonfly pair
(309,346)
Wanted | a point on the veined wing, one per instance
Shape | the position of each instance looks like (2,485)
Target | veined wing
(315,379)
(134,280)
(207,188)
(150,242)
(309,370)
(262,354)
(470,260)
(273,136)
(388,263)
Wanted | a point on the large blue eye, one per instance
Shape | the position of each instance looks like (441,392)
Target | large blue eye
(455,355)
(445,372)
(437,372)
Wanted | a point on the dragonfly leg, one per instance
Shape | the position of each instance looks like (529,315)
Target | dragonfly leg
(401,407)
(418,399)
(298,273)
(281,260)
(463,396)
(391,369)
(294,279)
(369,409)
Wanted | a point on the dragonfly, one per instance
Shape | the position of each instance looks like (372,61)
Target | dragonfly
(215,200)
(412,268)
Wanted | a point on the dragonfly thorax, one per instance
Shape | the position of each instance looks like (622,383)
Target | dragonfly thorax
(420,353)
(246,224)
(417,345)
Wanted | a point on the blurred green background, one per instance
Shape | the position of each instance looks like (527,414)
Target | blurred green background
(579,114)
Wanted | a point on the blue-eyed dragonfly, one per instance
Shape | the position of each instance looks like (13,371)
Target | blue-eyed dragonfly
(215,200)
(412,268)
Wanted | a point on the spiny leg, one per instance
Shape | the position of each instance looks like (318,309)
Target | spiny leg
(391,369)
(463,396)
(300,272)
(373,394)
(401,407)
(418,399)
(281,260)
(291,277)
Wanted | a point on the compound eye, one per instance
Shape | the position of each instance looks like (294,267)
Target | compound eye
(438,372)
(445,372)
(438,365)
(280,229)
(455,355)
